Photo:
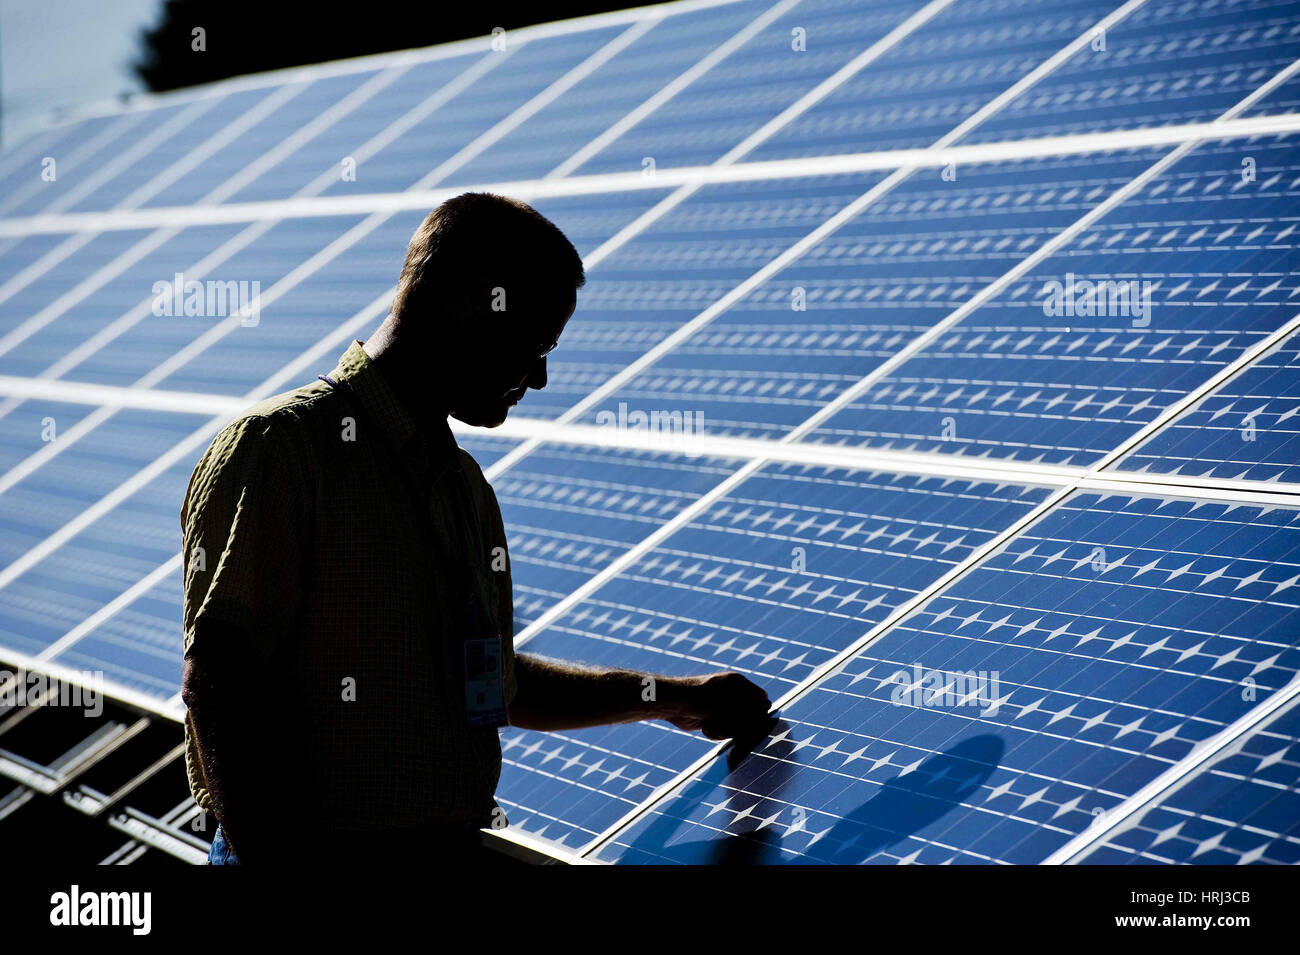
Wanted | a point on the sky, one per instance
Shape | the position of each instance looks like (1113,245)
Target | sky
(61,53)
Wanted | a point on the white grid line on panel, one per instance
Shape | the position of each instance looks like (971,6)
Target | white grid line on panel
(934,463)
(683,176)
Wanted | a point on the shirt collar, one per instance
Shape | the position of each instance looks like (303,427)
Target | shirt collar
(359,373)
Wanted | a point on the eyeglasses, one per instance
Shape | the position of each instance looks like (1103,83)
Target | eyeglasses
(541,351)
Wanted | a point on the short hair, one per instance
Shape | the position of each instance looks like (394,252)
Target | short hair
(479,241)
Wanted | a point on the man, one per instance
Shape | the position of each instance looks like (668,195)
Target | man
(348,611)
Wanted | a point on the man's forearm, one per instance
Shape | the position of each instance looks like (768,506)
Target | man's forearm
(561,696)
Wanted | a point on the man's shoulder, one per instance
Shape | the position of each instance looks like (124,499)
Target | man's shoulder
(291,408)
(283,416)
(280,423)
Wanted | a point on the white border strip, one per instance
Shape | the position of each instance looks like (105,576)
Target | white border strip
(117,691)
(550,186)
(932,463)
(115,396)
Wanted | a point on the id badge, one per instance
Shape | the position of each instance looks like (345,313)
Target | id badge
(485,695)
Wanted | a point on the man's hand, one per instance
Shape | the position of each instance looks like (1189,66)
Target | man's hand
(562,696)
(721,706)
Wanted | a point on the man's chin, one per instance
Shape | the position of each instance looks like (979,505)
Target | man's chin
(483,418)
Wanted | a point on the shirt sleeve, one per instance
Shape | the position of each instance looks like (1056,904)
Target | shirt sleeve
(244,530)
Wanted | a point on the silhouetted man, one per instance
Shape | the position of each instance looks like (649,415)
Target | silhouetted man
(348,610)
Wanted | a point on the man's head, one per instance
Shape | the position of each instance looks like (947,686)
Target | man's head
(488,286)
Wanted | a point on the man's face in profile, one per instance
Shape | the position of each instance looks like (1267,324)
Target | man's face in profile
(501,360)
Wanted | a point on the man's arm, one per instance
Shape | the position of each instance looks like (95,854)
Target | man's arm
(244,770)
(560,696)
(245,527)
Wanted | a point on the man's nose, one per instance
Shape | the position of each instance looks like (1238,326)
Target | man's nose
(537,378)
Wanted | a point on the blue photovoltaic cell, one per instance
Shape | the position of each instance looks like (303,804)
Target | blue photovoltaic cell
(324,296)
(598,101)
(19,162)
(92,253)
(1169,62)
(518,74)
(28,426)
(308,100)
(359,133)
(676,268)
(30,183)
(772,581)
(906,262)
(1068,670)
(97,565)
(154,339)
(1242,808)
(767,74)
(569,511)
(1020,377)
(1284,99)
(20,252)
(60,488)
(55,179)
(936,78)
(69,322)
(485,448)
(139,646)
(1246,428)
(207,118)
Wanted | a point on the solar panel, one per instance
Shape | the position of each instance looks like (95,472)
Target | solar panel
(979,450)
(1039,691)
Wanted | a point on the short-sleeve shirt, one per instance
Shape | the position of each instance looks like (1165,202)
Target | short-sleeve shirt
(349,543)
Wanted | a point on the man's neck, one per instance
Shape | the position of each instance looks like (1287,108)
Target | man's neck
(411,385)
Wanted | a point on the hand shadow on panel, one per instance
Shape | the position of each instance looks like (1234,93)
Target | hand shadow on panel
(902,806)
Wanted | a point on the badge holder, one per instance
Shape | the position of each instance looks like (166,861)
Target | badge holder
(485,693)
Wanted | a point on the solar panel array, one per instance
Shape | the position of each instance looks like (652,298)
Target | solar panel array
(1019,562)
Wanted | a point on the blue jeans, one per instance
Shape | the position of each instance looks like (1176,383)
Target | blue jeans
(220,853)
(452,843)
